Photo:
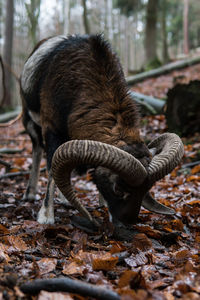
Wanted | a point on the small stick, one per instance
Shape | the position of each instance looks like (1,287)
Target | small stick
(11,150)
(11,122)
(20,173)
(68,285)
(189,165)
(5,163)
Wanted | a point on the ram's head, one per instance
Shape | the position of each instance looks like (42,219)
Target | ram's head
(121,178)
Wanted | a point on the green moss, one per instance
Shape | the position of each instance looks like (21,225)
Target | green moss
(153,64)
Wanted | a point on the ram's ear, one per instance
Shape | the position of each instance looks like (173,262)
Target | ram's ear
(153,205)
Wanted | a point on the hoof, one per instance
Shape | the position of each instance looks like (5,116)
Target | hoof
(45,216)
(30,197)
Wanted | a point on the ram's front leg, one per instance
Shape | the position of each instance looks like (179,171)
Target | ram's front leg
(46,213)
(35,134)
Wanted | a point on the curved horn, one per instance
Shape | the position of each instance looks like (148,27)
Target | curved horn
(73,153)
(170,150)
(152,205)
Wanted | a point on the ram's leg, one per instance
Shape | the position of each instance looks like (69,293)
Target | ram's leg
(46,213)
(35,134)
(62,199)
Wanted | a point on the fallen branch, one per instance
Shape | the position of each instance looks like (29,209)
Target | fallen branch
(162,70)
(192,164)
(12,121)
(10,115)
(5,163)
(70,286)
(20,173)
(10,150)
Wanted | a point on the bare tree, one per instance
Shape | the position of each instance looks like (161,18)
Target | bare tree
(7,49)
(66,17)
(151,30)
(165,54)
(33,12)
(85,17)
(185,26)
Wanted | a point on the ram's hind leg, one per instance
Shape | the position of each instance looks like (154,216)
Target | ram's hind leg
(35,134)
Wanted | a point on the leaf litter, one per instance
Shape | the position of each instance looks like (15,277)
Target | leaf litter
(161,260)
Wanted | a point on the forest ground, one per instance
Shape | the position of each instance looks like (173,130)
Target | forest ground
(160,261)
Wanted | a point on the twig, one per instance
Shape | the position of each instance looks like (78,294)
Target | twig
(68,285)
(7,124)
(20,173)
(5,163)
(11,150)
(189,165)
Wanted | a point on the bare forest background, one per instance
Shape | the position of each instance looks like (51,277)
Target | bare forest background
(144,33)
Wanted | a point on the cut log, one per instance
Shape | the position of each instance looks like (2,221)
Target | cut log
(183,108)
(163,70)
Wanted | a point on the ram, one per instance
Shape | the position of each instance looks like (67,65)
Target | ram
(77,107)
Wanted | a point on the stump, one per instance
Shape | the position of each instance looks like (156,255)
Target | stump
(183,108)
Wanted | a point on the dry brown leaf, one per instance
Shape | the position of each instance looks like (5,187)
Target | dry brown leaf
(150,232)
(181,256)
(3,230)
(193,178)
(177,225)
(195,170)
(129,276)
(43,295)
(73,268)
(47,265)
(104,262)
(17,243)
(4,257)
(116,247)
(141,242)
(191,296)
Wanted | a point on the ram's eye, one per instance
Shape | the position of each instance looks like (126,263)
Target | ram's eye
(118,191)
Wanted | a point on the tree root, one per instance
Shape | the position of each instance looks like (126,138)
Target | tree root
(68,285)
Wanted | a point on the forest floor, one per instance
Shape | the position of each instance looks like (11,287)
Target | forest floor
(161,260)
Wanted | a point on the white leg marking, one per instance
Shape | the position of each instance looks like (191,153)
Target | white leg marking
(46,213)
(62,198)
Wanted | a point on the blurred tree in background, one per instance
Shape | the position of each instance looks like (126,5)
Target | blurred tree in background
(144,33)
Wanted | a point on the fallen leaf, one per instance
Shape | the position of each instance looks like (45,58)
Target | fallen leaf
(105,262)
(195,170)
(74,268)
(43,295)
(141,242)
(47,265)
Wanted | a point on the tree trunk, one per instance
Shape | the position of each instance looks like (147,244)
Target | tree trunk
(85,17)
(33,12)
(66,17)
(185,26)
(151,30)
(7,50)
(165,54)
(109,20)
